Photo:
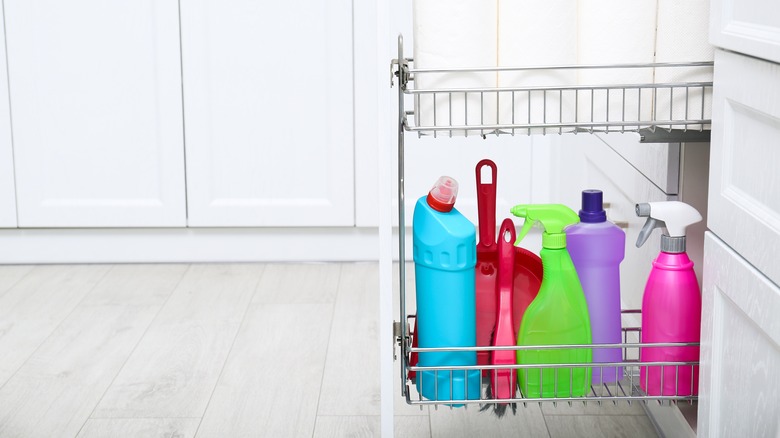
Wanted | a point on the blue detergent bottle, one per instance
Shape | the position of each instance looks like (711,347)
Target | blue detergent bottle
(445,256)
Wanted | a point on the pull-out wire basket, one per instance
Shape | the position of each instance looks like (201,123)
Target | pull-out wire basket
(479,105)
(618,381)
(667,111)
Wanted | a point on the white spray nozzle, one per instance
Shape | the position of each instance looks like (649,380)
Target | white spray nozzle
(675,216)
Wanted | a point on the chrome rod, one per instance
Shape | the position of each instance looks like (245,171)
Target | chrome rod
(552,125)
(554,347)
(564,67)
(648,85)
(401,229)
(539,365)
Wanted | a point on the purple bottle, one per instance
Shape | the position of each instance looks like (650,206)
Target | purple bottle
(597,247)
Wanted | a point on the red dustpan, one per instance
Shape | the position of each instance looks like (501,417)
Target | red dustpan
(527,271)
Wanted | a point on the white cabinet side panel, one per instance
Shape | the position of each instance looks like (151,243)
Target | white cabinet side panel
(7,188)
(744,192)
(740,355)
(268,112)
(372,93)
(97,119)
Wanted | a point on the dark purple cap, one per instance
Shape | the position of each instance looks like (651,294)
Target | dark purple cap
(592,207)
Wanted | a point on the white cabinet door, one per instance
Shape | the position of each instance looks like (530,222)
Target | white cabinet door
(7,190)
(744,194)
(747,26)
(268,112)
(97,116)
(740,354)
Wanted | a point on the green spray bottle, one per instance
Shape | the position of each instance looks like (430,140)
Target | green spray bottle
(558,315)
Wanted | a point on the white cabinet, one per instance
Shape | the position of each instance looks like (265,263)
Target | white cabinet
(747,26)
(744,183)
(268,109)
(7,189)
(95,91)
(741,300)
(740,347)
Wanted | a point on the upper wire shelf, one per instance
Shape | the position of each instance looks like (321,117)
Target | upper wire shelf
(514,100)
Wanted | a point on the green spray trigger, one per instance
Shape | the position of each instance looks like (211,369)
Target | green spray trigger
(527,225)
(553,217)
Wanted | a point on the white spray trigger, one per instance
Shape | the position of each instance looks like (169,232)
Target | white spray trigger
(675,216)
(647,229)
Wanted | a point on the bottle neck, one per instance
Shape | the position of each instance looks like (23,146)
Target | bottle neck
(672,245)
(553,240)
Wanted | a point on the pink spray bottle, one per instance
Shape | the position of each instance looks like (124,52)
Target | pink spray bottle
(671,305)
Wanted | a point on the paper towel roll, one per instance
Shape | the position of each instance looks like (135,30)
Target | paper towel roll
(455,34)
(537,33)
(683,27)
(616,32)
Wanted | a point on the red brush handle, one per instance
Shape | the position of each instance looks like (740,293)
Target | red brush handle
(486,206)
(504,380)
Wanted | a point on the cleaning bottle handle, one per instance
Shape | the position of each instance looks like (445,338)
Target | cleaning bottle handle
(486,205)
(504,381)
(506,257)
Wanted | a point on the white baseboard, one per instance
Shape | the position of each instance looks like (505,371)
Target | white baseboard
(169,245)
(201,245)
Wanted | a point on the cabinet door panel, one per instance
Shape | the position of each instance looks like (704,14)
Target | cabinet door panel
(268,112)
(744,194)
(747,26)
(96,102)
(7,189)
(738,392)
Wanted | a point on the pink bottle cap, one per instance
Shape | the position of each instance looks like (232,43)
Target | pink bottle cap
(442,195)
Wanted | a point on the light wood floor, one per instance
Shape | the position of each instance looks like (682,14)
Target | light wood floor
(222,350)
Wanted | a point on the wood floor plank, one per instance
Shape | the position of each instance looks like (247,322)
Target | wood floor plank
(350,385)
(271,382)
(367,426)
(607,426)
(174,368)
(460,422)
(351,382)
(36,305)
(298,283)
(11,274)
(412,426)
(140,428)
(55,391)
